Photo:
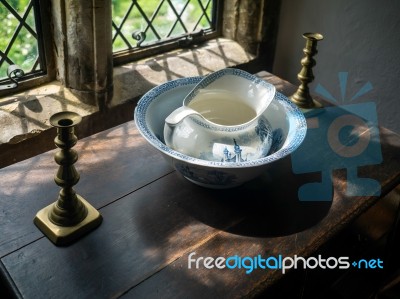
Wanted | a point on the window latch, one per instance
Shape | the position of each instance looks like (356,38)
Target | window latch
(183,42)
(140,36)
(14,72)
(189,39)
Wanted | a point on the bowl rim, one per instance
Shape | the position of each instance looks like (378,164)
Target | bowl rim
(140,121)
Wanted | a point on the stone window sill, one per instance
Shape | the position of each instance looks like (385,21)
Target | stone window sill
(24,117)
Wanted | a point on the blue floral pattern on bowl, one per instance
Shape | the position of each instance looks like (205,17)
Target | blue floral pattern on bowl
(277,140)
(205,177)
(287,121)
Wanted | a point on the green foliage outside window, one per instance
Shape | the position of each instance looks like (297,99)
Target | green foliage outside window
(191,12)
(24,50)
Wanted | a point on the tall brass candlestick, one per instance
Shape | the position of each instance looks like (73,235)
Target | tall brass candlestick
(70,216)
(302,97)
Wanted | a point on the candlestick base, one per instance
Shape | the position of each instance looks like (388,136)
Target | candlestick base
(62,235)
(306,103)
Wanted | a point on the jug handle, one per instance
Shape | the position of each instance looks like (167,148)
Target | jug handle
(179,114)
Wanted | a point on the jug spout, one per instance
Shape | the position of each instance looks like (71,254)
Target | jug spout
(178,115)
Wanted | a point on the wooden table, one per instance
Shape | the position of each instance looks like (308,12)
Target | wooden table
(154,218)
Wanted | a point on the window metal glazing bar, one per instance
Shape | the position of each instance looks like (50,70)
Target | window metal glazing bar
(150,22)
(19,27)
(42,68)
(178,19)
(5,58)
(119,33)
(118,28)
(179,16)
(204,12)
(214,19)
(18,17)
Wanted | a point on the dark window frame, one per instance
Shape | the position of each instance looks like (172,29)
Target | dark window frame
(134,54)
(42,13)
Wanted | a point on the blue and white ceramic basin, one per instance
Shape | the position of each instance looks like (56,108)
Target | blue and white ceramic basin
(287,122)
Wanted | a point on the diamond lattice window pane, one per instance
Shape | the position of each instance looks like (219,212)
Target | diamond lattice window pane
(158,20)
(18,37)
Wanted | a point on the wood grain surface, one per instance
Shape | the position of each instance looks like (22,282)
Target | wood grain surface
(154,218)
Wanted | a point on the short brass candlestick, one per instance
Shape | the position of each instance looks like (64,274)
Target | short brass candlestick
(70,216)
(302,97)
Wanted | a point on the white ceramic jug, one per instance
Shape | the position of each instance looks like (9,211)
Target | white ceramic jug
(222,119)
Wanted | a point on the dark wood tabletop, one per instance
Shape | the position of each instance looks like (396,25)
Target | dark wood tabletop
(153,218)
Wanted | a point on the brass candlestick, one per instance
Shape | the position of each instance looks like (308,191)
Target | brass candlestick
(70,216)
(302,97)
